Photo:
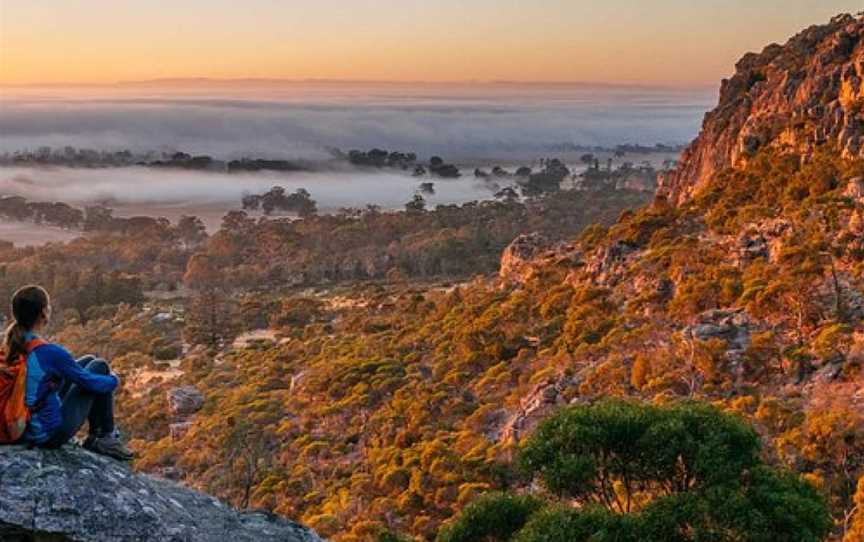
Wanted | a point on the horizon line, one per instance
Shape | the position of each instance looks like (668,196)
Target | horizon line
(203,81)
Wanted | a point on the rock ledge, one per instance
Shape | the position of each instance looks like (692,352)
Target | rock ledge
(73,495)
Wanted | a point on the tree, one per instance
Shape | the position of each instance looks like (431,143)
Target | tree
(302,203)
(685,472)
(203,273)
(211,316)
(237,223)
(494,517)
(274,199)
(251,202)
(250,456)
(616,453)
(416,205)
(98,218)
(191,231)
(507,194)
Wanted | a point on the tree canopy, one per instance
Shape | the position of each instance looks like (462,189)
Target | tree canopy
(621,470)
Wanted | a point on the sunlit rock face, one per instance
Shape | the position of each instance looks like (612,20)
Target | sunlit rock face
(73,495)
(529,254)
(518,256)
(797,96)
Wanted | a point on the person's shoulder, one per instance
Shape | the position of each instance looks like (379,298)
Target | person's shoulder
(52,350)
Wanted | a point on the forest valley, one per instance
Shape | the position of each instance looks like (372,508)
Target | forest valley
(294,366)
(172,307)
(415,375)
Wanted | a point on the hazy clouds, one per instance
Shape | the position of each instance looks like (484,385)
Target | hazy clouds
(172,193)
(506,124)
(458,122)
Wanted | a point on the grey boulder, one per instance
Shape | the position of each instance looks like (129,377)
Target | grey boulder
(72,495)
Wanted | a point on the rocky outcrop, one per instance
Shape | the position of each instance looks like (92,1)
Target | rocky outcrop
(519,254)
(72,495)
(798,96)
(762,240)
(609,263)
(531,256)
(184,401)
(732,326)
(539,403)
(855,188)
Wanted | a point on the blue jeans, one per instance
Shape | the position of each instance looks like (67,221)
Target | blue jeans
(79,405)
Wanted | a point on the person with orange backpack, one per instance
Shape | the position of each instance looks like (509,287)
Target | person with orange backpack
(46,395)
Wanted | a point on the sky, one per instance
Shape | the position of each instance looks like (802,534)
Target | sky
(657,42)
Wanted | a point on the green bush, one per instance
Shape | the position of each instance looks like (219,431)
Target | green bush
(494,517)
(642,473)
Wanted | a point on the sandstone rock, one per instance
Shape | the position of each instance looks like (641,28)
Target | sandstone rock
(732,326)
(516,259)
(535,406)
(493,424)
(752,247)
(651,288)
(796,96)
(608,263)
(184,401)
(762,240)
(851,298)
(72,495)
(855,188)
(856,224)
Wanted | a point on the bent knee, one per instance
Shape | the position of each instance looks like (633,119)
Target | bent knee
(84,360)
(99,366)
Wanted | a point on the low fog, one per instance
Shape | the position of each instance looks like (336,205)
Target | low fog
(171,193)
(482,124)
(304,121)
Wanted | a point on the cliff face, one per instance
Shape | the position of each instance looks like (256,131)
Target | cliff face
(799,95)
(73,495)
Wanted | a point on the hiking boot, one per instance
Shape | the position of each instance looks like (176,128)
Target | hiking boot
(109,445)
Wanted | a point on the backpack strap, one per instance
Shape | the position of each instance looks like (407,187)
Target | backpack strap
(29,347)
(33,344)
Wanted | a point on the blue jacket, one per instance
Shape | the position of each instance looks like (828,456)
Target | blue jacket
(49,367)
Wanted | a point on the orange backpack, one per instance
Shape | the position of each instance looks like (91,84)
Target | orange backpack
(14,414)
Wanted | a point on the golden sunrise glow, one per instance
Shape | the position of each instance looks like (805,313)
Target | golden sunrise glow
(665,42)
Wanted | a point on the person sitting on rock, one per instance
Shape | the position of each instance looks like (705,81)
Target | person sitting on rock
(62,392)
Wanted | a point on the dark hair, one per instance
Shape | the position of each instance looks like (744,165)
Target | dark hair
(28,305)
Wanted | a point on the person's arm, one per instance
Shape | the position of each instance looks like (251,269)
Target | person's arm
(62,363)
